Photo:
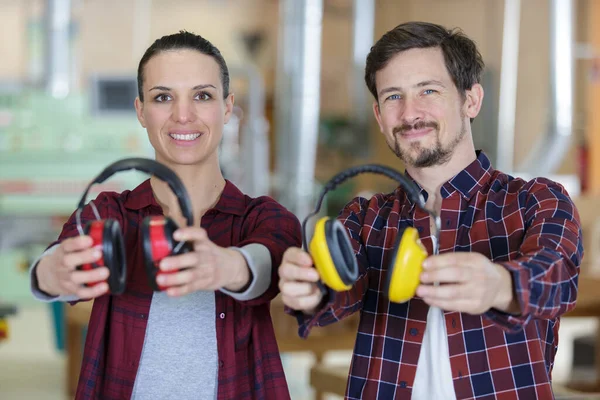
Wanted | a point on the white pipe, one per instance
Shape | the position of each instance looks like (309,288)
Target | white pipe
(363,31)
(59,59)
(550,150)
(562,62)
(298,102)
(508,85)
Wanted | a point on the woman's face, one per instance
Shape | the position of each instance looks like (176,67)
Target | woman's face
(184,109)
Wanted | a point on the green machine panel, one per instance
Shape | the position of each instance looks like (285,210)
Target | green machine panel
(50,149)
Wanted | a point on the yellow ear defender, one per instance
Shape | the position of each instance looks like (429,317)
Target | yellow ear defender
(332,252)
(406,266)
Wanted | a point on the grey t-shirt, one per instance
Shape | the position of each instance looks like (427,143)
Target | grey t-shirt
(179,357)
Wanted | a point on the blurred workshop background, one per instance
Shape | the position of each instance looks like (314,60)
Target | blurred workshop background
(303,113)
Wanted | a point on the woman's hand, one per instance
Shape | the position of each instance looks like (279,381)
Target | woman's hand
(207,267)
(57,272)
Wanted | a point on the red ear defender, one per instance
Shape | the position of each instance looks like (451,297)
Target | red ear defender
(94,229)
(157,234)
(106,235)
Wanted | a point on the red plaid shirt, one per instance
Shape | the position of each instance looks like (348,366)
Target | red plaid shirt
(531,228)
(249,362)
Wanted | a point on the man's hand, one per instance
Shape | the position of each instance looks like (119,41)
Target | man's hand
(298,281)
(468,282)
(208,267)
(57,275)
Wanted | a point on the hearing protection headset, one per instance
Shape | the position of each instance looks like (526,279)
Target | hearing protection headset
(334,257)
(157,231)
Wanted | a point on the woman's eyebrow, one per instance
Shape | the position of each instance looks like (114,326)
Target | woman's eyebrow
(197,87)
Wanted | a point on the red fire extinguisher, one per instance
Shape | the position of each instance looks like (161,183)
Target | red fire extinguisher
(582,165)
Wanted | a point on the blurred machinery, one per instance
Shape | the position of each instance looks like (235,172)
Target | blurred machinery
(49,149)
(5,312)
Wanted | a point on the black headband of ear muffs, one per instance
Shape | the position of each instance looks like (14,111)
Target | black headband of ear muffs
(151,167)
(412,190)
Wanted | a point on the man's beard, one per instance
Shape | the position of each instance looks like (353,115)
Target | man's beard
(426,157)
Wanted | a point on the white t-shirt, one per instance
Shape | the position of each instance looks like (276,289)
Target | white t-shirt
(433,379)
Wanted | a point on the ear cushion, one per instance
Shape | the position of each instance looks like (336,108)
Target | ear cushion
(107,235)
(114,256)
(406,265)
(157,235)
(333,255)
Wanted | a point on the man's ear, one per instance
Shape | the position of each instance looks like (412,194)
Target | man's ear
(139,108)
(473,101)
(377,113)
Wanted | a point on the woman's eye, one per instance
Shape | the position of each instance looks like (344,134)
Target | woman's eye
(203,96)
(162,97)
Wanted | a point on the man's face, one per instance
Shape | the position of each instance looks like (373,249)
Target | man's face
(420,111)
(183,109)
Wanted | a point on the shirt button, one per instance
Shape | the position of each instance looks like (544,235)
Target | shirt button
(414,331)
(454,322)
(460,374)
(448,222)
(402,384)
(221,363)
(222,315)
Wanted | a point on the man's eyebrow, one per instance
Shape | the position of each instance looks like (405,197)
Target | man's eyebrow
(390,89)
(430,82)
(420,84)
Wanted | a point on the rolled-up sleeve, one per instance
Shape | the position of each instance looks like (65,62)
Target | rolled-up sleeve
(258,260)
(271,225)
(546,269)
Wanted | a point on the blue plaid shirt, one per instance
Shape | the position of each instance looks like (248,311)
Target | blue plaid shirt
(531,228)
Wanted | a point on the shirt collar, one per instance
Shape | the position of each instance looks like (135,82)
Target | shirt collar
(471,179)
(467,182)
(401,189)
(232,200)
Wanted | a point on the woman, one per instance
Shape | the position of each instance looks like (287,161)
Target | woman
(209,334)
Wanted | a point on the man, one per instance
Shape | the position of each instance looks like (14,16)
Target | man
(510,250)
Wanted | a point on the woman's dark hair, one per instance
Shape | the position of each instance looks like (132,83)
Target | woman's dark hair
(463,60)
(180,41)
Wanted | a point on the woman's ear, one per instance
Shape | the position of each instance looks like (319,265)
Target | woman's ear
(229,100)
(139,110)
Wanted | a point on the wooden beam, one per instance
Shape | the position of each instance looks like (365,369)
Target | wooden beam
(593,107)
